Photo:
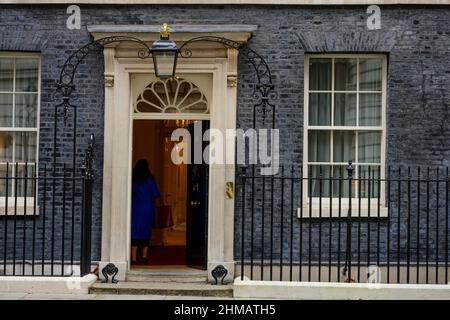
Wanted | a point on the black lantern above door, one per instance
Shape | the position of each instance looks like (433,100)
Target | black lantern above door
(164,53)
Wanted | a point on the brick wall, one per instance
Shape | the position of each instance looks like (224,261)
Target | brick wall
(416,39)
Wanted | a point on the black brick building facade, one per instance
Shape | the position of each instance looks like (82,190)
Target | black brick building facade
(415,39)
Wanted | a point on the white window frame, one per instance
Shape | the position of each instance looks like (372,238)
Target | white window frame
(325,205)
(20,210)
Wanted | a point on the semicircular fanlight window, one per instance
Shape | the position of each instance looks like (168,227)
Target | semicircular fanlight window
(174,95)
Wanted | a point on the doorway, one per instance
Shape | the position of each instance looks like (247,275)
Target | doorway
(178,234)
(133,78)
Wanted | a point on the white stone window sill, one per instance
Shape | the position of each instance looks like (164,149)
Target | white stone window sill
(19,208)
(364,212)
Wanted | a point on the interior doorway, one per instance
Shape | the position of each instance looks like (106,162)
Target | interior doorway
(178,235)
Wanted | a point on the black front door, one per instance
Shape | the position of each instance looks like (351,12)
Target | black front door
(197,200)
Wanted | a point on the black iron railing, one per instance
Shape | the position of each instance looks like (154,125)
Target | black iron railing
(45,220)
(339,225)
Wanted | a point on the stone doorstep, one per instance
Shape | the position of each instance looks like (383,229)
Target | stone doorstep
(162,288)
(184,271)
(180,276)
(163,278)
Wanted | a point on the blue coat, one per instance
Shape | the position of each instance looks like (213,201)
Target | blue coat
(143,209)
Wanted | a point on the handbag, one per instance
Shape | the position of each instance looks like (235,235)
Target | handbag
(163,217)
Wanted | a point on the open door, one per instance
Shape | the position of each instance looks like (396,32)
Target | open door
(197,201)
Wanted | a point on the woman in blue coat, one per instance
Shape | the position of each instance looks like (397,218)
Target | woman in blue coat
(145,192)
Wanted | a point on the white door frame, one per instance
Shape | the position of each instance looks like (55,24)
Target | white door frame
(198,68)
(116,211)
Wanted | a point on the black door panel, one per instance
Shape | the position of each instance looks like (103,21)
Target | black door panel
(197,203)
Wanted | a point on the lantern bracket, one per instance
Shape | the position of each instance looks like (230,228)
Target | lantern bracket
(65,85)
(263,88)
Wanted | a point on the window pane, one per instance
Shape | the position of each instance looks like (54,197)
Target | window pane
(26,75)
(319,109)
(345,74)
(368,176)
(25,172)
(369,146)
(6,146)
(26,110)
(343,146)
(6,74)
(319,146)
(370,74)
(370,109)
(319,181)
(6,107)
(3,181)
(25,147)
(340,184)
(345,109)
(320,74)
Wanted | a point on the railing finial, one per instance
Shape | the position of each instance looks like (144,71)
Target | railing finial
(350,169)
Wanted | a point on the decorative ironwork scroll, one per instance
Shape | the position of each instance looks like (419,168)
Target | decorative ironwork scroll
(110,270)
(219,273)
(263,88)
(66,86)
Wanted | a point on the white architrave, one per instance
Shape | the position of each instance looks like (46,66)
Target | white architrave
(120,63)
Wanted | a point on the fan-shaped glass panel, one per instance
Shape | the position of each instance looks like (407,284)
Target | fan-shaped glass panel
(173,95)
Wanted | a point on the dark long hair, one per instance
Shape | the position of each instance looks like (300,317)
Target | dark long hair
(141,171)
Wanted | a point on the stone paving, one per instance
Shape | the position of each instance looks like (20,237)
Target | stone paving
(25,296)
